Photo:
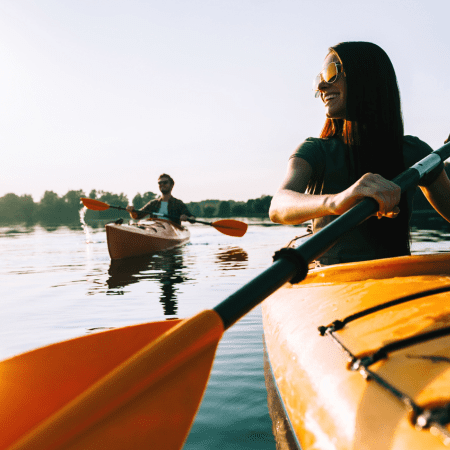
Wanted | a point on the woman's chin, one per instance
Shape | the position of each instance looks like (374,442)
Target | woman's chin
(332,113)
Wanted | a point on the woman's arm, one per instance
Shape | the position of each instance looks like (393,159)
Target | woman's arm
(291,206)
(438,194)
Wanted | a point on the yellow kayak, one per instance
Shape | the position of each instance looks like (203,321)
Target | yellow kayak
(377,375)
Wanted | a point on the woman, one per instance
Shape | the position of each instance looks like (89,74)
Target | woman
(360,148)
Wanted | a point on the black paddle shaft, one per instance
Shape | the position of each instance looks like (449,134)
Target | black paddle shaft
(165,216)
(118,207)
(294,262)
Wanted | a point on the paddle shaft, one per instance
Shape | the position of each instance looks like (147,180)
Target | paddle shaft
(284,269)
(226,226)
(196,221)
(151,214)
(118,207)
(191,220)
(166,216)
(171,217)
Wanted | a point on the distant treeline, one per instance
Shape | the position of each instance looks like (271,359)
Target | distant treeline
(55,210)
(52,209)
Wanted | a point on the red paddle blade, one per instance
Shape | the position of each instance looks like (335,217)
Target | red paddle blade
(231,227)
(95,205)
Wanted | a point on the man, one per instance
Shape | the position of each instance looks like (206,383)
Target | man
(167,205)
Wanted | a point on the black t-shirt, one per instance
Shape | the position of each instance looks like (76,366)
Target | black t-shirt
(327,158)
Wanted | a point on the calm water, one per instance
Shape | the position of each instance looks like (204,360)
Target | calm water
(59,283)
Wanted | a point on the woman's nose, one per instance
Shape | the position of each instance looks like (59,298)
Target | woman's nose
(321,87)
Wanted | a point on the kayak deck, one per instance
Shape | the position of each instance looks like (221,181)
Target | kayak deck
(144,238)
(390,320)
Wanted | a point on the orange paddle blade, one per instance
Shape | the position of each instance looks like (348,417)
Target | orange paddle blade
(96,205)
(231,227)
(110,390)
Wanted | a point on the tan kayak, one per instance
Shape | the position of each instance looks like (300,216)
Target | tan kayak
(382,381)
(144,238)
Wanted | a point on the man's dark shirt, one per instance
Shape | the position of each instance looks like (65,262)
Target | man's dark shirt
(175,209)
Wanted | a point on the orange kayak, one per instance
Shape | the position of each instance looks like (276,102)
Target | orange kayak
(377,375)
(144,238)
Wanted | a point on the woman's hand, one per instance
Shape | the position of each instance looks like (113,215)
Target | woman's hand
(385,192)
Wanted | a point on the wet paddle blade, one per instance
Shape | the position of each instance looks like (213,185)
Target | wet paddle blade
(231,227)
(95,205)
(133,387)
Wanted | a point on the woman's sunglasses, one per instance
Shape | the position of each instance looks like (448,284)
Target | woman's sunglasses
(329,75)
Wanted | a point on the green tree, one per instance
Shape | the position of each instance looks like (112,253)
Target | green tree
(140,201)
(261,205)
(114,200)
(72,206)
(50,208)
(27,209)
(148,196)
(239,210)
(209,211)
(224,209)
(137,201)
(195,209)
(250,207)
(15,209)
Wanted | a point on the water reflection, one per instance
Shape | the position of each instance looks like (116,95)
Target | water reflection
(429,235)
(429,220)
(232,258)
(15,232)
(50,226)
(166,267)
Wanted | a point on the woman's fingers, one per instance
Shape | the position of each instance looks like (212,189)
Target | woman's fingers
(385,192)
(391,214)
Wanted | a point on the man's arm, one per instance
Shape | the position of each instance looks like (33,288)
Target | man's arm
(185,213)
(136,214)
(141,213)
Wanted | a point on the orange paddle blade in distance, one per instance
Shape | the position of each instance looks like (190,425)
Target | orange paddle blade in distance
(231,227)
(95,205)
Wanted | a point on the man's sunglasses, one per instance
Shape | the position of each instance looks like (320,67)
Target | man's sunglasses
(164,182)
(329,75)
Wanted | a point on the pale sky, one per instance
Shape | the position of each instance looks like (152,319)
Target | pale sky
(109,94)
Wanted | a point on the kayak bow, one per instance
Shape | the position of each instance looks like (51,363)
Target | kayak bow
(144,238)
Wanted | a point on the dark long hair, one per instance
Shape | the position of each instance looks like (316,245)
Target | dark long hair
(373,131)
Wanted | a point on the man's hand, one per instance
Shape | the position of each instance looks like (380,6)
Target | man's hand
(132,211)
(186,218)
